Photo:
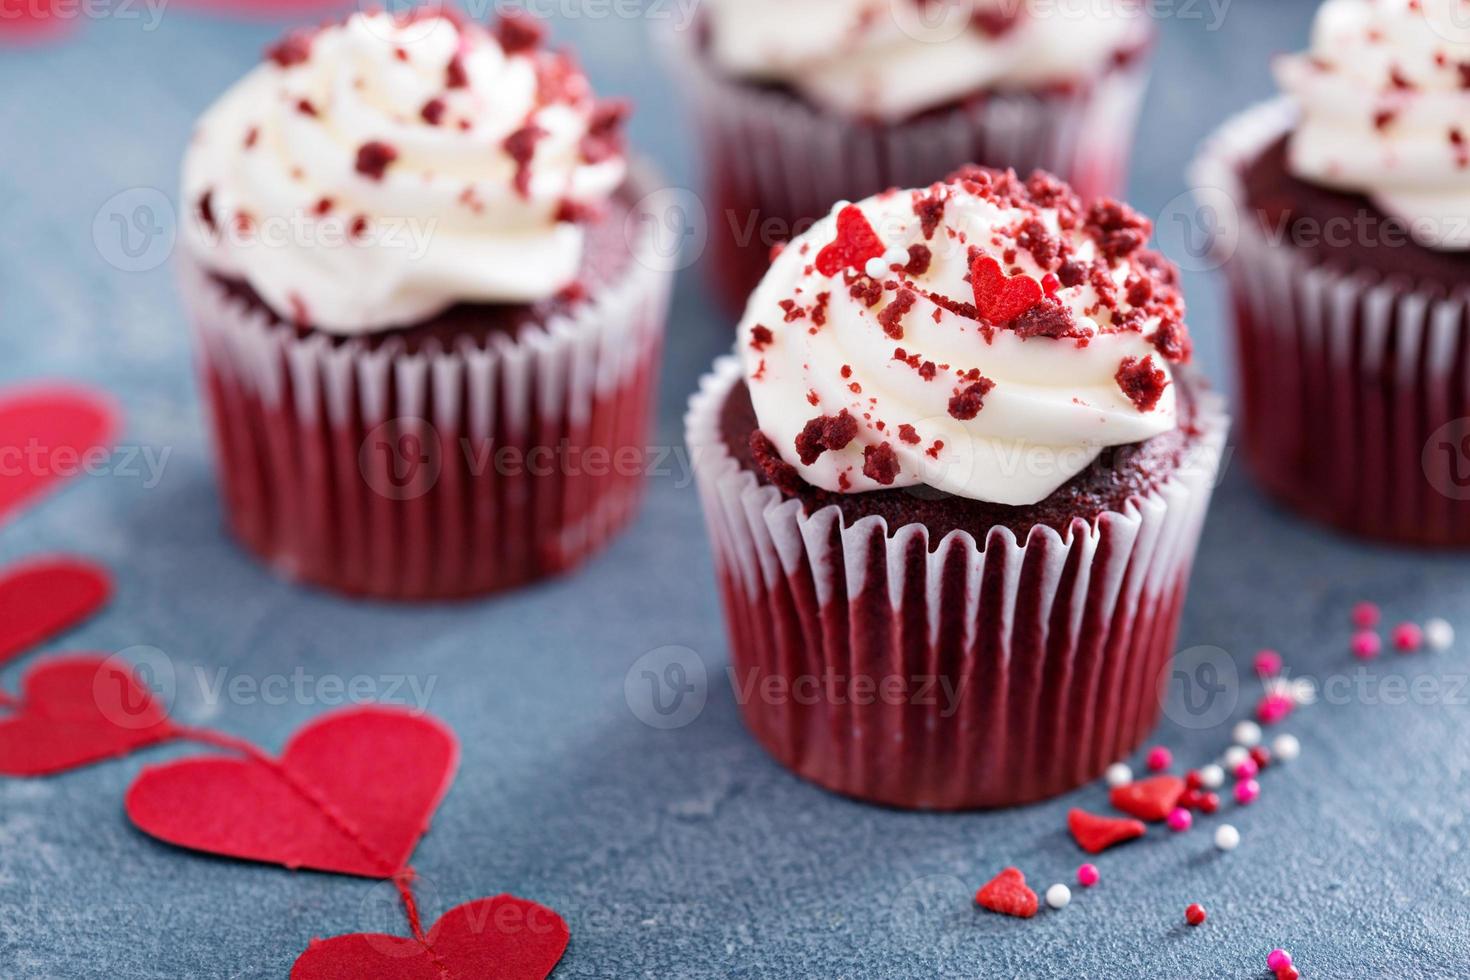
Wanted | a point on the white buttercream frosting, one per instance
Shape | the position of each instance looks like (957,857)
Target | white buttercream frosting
(376,172)
(1384,97)
(894,58)
(999,393)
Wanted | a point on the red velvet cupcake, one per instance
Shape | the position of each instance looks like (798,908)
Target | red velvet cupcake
(429,316)
(1346,239)
(955,479)
(803,104)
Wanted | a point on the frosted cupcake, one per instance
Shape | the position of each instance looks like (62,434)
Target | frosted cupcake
(1347,244)
(955,479)
(803,104)
(414,266)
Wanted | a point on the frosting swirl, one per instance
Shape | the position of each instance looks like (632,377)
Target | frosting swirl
(985,337)
(1384,96)
(378,171)
(894,58)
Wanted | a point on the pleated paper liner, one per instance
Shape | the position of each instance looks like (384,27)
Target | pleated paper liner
(1013,670)
(774,163)
(1354,389)
(447,472)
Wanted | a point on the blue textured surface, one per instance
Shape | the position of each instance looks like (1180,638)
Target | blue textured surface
(682,853)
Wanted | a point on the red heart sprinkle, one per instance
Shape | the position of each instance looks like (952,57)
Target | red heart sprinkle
(1149,799)
(1007,894)
(44,598)
(76,711)
(998,298)
(504,937)
(1096,834)
(856,243)
(45,433)
(352,794)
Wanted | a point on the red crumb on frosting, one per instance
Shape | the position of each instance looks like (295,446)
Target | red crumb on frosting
(880,464)
(1118,229)
(293,49)
(433,111)
(519,32)
(855,245)
(373,158)
(1143,383)
(305,107)
(761,337)
(455,75)
(781,473)
(206,210)
(520,146)
(930,211)
(968,403)
(825,432)
(1048,319)
(604,139)
(792,310)
(908,434)
(920,258)
(892,316)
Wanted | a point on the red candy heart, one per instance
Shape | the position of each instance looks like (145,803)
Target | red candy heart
(998,298)
(504,937)
(1096,834)
(352,794)
(41,599)
(856,243)
(1149,799)
(45,434)
(77,711)
(1007,894)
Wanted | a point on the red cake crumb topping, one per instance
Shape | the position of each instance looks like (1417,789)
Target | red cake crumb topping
(455,75)
(433,111)
(880,464)
(519,32)
(855,245)
(1118,229)
(908,434)
(825,432)
(604,139)
(1143,383)
(305,107)
(930,211)
(373,159)
(968,403)
(293,49)
(781,473)
(520,146)
(761,337)
(892,316)
(206,210)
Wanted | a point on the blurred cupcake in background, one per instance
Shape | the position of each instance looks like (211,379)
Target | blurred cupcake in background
(803,104)
(426,334)
(1346,239)
(955,479)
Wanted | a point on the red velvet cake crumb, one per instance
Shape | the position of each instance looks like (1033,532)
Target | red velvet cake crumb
(206,210)
(1047,319)
(920,258)
(519,32)
(880,464)
(433,111)
(908,434)
(783,475)
(892,316)
(825,432)
(760,337)
(373,158)
(1118,229)
(968,403)
(604,139)
(1143,383)
(455,75)
(521,147)
(293,49)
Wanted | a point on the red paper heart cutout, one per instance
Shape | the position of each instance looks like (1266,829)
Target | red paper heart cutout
(856,243)
(1007,894)
(1149,799)
(76,711)
(44,598)
(45,434)
(999,298)
(504,938)
(1096,834)
(352,794)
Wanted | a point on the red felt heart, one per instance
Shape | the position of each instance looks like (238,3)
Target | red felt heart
(1096,834)
(1149,799)
(504,937)
(1007,894)
(856,243)
(46,435)
(41,599)
(999,298)
(352,794)
(76,711)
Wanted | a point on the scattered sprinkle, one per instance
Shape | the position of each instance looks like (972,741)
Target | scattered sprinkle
(1159,758)
(1180,819)
(1227,838)
(1234,756)
(1059,896)
(1286,746)
(1195,914)
(1366,615)
(1439,634)
(1247,791)
(1268,663)
(1247,733)
(1088,875)
(1367,644)
(1408,637)
(1211,776)
(1278,959)
(1118,774)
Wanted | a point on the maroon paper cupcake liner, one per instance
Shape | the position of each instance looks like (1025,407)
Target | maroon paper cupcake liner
(954,675)
(1355,389)
(444,472)
(774,163)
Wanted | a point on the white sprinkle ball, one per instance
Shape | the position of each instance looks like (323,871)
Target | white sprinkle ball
(1227,838)
(1212,776)
(1058,896)
(876,268)
(898,255)
(1234,756)
(1285,747)
(1247,733)
(1118,774)
(1439,635)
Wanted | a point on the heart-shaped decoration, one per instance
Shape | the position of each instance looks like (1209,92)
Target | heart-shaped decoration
(504,938)
(76,711)
(1007,894)
(352,794)
(855,244)
(1149,799)
(1095,834)
(42,599)
(1000,298)
(45,435)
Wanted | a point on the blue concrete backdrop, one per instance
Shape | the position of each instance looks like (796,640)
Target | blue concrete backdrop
(683,853)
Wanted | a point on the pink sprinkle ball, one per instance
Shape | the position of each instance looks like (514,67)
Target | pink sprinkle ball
(1274,708)
(1248,769)
(1246,791)
(1087,875)
(1366,615)
(1278,959)
(1180,819)
(1367,645)
(1268,663)
(1407,637)
(1159,758)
